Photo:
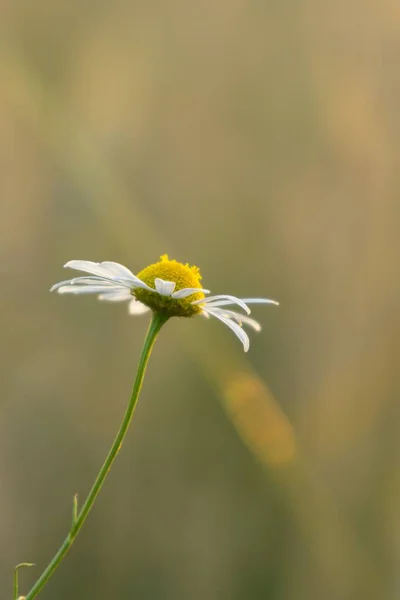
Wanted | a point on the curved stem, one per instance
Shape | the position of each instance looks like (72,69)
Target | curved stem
(79,518)
(16,584)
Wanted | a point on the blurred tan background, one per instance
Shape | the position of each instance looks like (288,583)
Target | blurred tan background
(260,141)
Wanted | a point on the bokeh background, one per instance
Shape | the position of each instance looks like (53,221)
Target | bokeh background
(260,141)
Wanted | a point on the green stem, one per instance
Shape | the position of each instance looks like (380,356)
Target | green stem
(79,519)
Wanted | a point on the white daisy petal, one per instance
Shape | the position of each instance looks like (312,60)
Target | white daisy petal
(241,319)
(137,308)
(116,295)
(215,301)
(60,284)
(118,270)
(138,283)
(83,281)
(90,267)
(239,332)
(104,280)
(124,275)
(246,300)
(164,288)
(94,280)
(85,289)
(260,301)
(109,271)
(185,292)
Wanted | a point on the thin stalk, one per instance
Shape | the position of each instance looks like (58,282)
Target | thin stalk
(16,585)
(80,517)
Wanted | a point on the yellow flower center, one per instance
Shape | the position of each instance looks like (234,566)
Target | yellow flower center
(184,276)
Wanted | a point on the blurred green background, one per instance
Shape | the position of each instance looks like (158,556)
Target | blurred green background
(260,141)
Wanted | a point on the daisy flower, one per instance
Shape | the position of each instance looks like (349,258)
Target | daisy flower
(167,287)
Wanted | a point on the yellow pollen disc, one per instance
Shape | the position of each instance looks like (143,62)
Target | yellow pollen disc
(184,276)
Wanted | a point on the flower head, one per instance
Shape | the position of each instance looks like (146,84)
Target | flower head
(166,287)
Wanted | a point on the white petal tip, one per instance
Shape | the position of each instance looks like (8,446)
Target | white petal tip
(268,301)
